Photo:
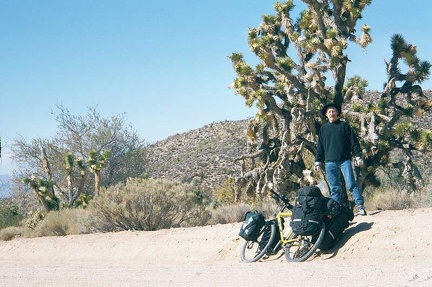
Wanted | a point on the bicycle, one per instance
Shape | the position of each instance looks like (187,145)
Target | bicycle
(272,237)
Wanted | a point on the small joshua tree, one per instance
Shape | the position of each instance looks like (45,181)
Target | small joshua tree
(96,163)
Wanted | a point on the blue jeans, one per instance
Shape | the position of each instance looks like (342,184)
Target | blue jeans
(333,169)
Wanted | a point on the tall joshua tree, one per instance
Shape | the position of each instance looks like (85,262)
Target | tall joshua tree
(289,87)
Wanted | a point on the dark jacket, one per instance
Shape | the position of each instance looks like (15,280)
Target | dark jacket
(336,142)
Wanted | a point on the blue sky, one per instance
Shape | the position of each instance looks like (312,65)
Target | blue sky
(162,63)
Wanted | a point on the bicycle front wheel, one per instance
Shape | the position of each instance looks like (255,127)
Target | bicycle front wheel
(304,246)
(253,251)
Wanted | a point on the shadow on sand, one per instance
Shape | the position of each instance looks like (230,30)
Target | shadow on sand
(353,229)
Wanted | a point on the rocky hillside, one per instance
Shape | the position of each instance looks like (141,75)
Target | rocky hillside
(206,154)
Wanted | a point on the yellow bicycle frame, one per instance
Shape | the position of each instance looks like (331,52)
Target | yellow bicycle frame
(280,218)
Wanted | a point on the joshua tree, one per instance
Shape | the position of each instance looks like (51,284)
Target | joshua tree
(96,163)
(289,88)
(73,193)
(44,188)
(44,191)
(64,158)
(388,126)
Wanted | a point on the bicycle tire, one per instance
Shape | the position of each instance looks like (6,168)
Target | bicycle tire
(304,246)
(253,251)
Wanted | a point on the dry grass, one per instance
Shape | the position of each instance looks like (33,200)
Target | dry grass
(61,223)
(235,212)
(397,199)
(55,223)
(12,232)
(229,213)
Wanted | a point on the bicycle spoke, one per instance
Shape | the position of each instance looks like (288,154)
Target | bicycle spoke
(303,246)
(254,250)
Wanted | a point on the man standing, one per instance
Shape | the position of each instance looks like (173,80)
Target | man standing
(337,143)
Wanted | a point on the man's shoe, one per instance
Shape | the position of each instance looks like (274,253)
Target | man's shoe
(361,211)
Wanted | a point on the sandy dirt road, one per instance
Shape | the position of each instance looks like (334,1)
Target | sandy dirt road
(390,248)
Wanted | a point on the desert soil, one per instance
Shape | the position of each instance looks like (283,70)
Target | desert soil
(389,248)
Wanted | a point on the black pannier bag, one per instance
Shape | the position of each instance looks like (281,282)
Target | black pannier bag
(335,226)
(307,211)
(252,224)
(267,233)
(331,207)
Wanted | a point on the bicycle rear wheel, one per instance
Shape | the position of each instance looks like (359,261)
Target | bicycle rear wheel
(304,246)
(253,251)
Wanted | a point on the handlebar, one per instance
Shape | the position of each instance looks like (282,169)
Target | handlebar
(280,197)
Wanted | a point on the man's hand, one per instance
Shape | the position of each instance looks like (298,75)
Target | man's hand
(316,166)
(358,161)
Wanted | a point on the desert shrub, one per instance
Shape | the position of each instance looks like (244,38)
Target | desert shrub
(269,207)
(235,212)
(149,204)
(390,199)
(34,218)
(396,200)
(62,222)
(225,193)
(229,213)
(395,194)
(425,198)
(12,232)
(9,214)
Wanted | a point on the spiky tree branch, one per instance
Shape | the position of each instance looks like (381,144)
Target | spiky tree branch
(288,87)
